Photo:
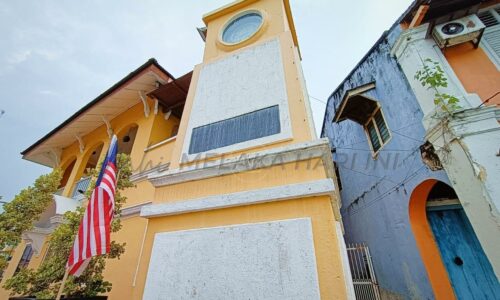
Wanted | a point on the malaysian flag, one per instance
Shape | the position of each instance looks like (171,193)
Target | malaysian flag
(93,236)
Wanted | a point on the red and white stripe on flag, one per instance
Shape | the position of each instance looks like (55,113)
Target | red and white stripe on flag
(93,236)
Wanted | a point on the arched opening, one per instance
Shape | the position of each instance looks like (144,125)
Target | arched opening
(126,139)
(83,183)
(453,257)
(424,238)
(441,192)
(66,173)
(93,160)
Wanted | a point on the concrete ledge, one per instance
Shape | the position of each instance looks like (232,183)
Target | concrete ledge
(136,177)
(247,162)
(133,210)
(284,192)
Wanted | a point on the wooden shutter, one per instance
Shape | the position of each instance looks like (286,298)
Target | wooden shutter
(372,134)
(491,36)
(382,127)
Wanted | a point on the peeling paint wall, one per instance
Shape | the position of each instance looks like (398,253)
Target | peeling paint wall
(471,136)
(375,192)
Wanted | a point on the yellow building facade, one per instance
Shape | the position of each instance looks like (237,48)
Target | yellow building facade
(235,195)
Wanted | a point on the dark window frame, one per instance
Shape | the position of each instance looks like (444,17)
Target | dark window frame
(378,134)
(25,258)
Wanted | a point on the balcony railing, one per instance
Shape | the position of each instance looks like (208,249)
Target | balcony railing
(80,188)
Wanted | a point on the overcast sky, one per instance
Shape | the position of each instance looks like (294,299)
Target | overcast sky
(55,56)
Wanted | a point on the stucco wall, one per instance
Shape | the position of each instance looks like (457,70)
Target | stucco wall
(375,192)
(269,260)
(220,96)
(474,131)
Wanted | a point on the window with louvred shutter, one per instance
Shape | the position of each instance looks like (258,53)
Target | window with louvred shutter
(491,37)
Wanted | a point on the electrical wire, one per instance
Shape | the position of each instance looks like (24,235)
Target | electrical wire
(394,131)
(383,178)
(369,150)
(317,99)
(370,175)
(488,99)
(388,192)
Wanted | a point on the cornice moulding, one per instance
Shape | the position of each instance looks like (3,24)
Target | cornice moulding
(257,160)
(315,188)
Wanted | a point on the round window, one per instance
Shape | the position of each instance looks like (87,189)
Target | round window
(241,28)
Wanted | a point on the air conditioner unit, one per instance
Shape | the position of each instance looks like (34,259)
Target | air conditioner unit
(458,31)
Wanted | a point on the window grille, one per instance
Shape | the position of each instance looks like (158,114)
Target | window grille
(246,127)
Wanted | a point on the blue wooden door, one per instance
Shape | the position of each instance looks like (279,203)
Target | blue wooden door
(469,270)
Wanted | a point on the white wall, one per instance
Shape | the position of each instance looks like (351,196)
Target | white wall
(272,260)
(241,83)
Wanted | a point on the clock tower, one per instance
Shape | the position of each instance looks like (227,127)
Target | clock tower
(249,92)
(248,208)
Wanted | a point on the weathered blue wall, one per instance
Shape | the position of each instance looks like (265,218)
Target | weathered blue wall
(376,192)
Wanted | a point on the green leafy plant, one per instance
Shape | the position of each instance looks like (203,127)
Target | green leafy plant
(44,282)
(433,76)
(19,214)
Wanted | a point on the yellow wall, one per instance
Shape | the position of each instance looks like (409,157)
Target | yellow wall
(36,260)
(162,129)
(121,272)
(331,278)
(274,24)
(307,170)
(151,130)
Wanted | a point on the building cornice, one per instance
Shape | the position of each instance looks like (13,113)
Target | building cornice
(407,37)
(140,176)
(133,210)
(468,122)
(246,162)
(321,187)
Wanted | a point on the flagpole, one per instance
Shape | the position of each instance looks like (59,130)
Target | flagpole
(63,282)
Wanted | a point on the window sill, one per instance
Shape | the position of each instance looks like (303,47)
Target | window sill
(160,143)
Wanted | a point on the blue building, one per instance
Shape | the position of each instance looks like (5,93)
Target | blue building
(386,168)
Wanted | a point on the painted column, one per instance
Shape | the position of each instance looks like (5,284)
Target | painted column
(248,201)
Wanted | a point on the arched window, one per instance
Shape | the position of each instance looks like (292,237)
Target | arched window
(126,139)
(93,159)
(83,183)
(67,172)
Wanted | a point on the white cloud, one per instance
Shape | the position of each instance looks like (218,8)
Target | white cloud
(47,54)
(47,92)
(19,57)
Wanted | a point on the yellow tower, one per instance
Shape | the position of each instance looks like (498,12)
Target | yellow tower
(248,207)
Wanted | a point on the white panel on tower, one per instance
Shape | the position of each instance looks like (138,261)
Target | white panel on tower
(273,260)
(235,86)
